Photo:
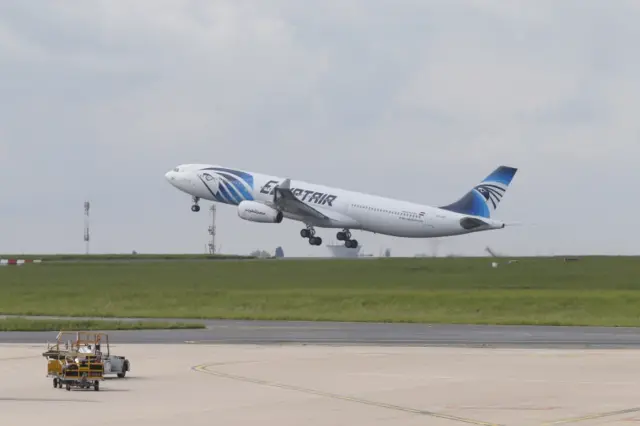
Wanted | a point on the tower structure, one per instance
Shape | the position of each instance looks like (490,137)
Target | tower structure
(339,250)
(87,236)
(212,230)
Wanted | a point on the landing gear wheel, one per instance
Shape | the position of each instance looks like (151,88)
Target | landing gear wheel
(315,241)
(308,232)
(344,235)
(351,243)
(195,207)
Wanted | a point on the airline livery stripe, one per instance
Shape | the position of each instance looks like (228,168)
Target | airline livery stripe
(237,185)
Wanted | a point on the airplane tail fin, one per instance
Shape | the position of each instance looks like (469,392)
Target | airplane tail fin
(484,198)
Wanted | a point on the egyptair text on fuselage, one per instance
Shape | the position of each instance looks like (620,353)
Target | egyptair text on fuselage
(306,195)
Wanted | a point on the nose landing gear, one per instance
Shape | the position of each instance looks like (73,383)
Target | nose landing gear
(195,207)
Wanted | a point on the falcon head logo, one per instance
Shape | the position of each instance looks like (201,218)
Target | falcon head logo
(491,193)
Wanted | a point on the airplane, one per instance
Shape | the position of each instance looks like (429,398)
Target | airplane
(269,199)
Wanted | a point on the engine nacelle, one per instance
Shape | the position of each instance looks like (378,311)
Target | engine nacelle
(258,212)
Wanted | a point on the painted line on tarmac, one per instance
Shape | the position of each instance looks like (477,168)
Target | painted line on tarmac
(319,342)
(403,342)
(592,416)
(17,358)
(206,368)
(276,327)
(329,341)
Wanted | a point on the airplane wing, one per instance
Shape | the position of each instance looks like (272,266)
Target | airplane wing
(284,200)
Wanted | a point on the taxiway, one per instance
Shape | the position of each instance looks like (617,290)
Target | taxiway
(302,332)
(242,385)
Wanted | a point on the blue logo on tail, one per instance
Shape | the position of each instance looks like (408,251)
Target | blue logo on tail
(491,193)
(484,198)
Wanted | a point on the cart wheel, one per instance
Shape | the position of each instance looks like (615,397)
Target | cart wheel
(55,383)
(125,368)
(96,386)
(68,386)
(60,383)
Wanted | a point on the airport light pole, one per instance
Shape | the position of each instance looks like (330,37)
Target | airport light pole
(87,206)
(212,230)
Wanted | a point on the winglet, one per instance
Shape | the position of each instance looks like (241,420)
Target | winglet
(285,184)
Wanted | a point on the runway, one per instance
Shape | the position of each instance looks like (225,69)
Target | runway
(330,333)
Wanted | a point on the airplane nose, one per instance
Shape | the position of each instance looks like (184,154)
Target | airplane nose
(170,175)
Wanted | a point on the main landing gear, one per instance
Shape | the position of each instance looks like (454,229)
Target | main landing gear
(345,236)
(195,207)
(310,233)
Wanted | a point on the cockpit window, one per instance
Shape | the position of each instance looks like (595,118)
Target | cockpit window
(177,169)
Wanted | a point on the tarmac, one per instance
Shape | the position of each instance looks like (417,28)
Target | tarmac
(332,333)
(292,385)
(315,373)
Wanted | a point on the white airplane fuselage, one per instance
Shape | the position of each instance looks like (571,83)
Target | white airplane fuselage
(253,194)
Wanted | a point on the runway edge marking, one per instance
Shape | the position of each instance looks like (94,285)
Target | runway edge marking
(205,368)
(592,416)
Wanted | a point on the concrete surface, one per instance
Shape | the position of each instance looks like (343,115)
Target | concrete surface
(201,385)
(270,332)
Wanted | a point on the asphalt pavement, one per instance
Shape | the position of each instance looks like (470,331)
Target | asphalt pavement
(335,333)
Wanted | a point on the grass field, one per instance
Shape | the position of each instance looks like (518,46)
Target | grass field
(104,257)
(28,324)
(591,291)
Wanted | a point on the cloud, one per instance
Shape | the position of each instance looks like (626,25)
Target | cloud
(414,100)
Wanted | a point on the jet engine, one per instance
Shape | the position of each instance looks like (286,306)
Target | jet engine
(258,212)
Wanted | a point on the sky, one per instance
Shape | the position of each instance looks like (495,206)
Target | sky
(411,99)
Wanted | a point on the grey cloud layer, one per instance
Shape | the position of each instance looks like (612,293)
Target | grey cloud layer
(412,99)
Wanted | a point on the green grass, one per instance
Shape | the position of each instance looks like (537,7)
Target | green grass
(28,324)
(592,291)
(104,257)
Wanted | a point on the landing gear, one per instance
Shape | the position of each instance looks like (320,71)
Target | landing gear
(310,233)
(195,207)
(351,244)
(345,236)
(315,241)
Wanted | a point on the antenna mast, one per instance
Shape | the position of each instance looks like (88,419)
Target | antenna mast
(87,237)
(212,230)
